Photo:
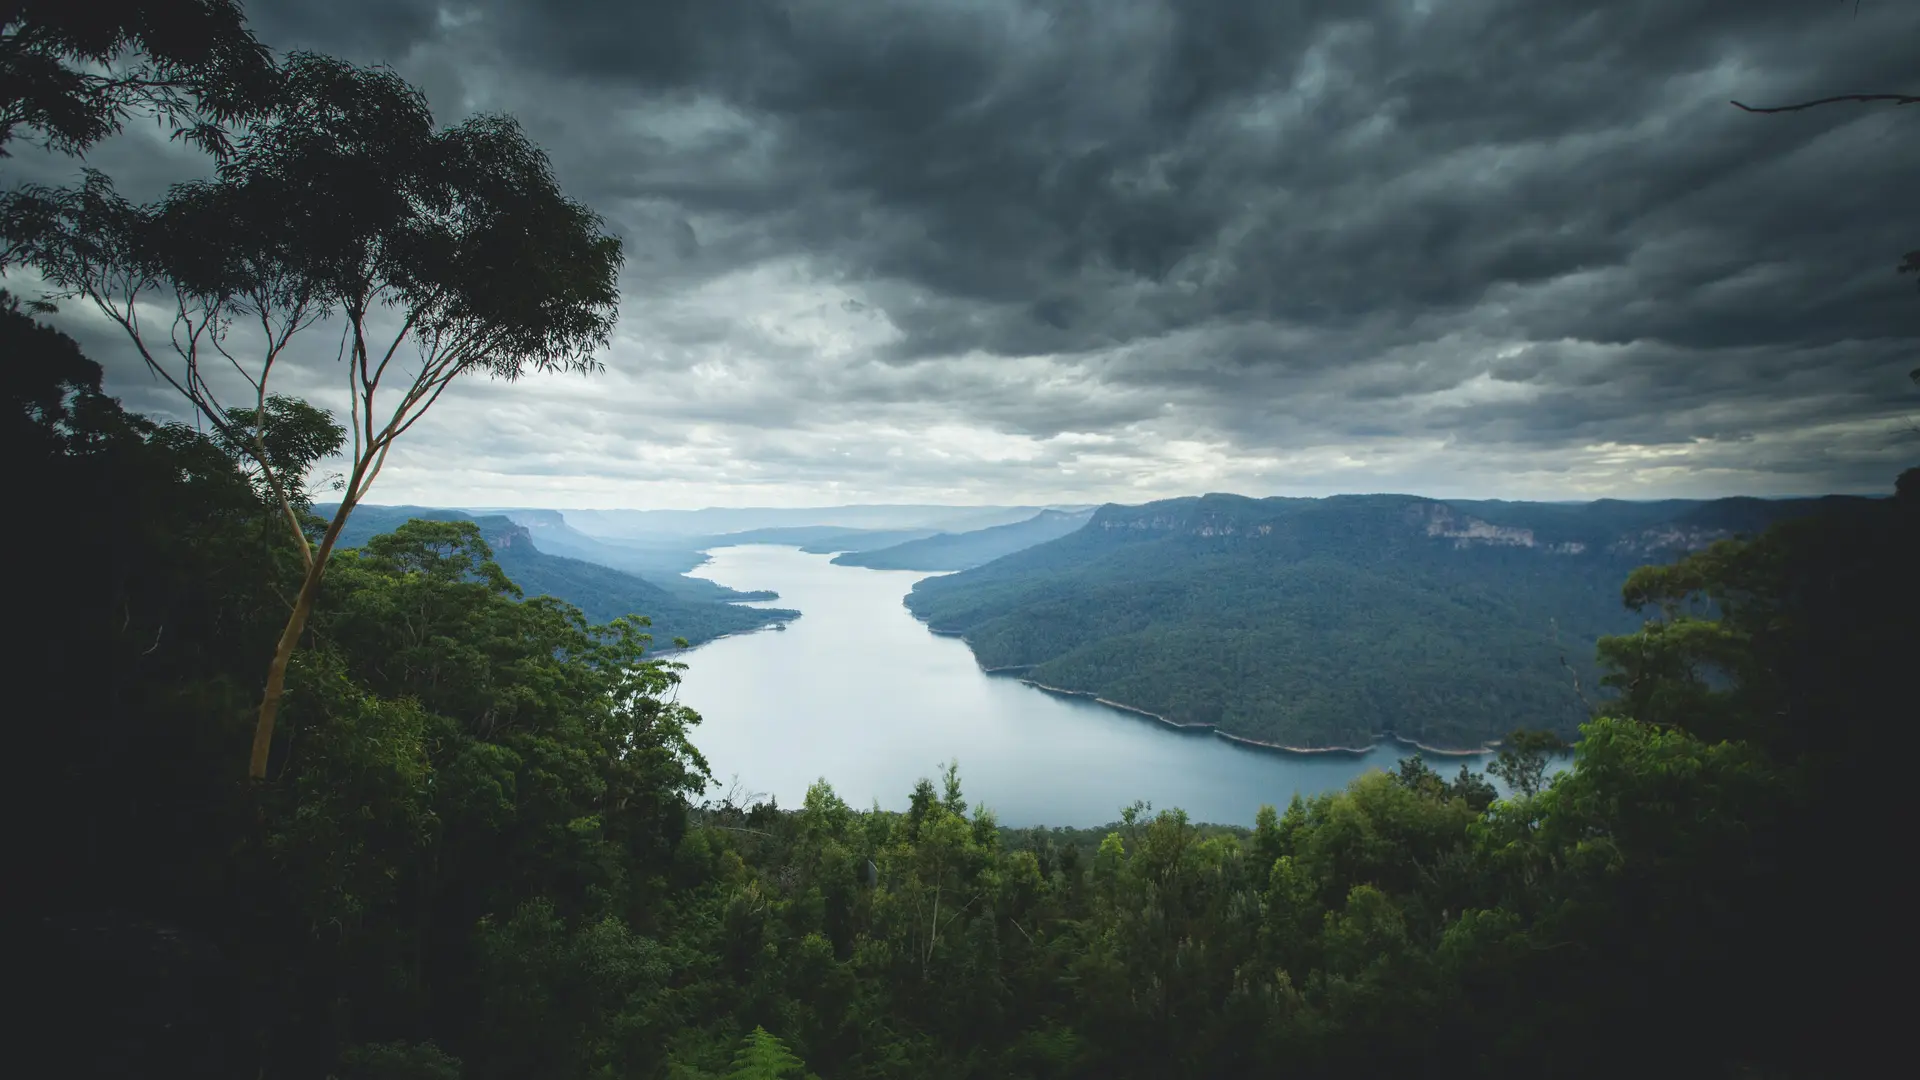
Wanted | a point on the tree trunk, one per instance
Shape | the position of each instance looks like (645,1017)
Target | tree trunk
(289,640)
(277,673)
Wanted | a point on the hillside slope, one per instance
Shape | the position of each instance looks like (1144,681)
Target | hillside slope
(961,551)
(1328,622)
(662,560)
(600,592)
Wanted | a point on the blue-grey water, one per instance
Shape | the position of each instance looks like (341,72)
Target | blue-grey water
(859,692)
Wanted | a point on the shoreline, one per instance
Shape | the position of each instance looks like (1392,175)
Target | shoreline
(1098,700)
(1491,747)
(1264,745)
(761,629)
(1244,740)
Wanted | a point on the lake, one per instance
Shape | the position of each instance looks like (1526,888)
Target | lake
(860,692)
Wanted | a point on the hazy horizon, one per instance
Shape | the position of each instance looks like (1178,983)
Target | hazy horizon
(1036,506)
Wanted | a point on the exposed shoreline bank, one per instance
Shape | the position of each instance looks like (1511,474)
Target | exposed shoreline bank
(672,650)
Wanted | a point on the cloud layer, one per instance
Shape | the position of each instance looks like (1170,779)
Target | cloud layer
(1120,249)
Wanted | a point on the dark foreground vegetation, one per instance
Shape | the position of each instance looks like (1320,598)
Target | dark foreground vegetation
(482,848)
(476,842)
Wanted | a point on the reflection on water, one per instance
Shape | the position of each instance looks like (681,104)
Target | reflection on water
(859,692)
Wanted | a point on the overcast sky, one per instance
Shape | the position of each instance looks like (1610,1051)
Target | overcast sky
(1089,250)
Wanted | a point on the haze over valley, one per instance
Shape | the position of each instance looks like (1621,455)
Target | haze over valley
(1344,625)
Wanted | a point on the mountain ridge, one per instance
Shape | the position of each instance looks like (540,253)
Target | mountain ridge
(601,592)
(961,551)
(1317,623)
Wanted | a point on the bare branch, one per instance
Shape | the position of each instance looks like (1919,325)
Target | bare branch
(405,328)
(1897,99)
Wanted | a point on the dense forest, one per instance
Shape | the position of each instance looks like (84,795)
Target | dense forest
(1331,622)
(960,551)
(479,842)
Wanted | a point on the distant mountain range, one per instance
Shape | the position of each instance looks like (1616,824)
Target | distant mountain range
(820,539)
(639,565)
(1318,623)
(960,551)
(601,591)
(663,560)
(717,521)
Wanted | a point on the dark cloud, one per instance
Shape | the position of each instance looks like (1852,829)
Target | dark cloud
(1519,244)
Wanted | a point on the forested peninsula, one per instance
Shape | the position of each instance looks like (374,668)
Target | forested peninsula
(1316,624)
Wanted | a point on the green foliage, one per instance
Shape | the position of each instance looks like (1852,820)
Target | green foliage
(765,1057)
(279,443)
(1523,759)
(340,199)
(71,76)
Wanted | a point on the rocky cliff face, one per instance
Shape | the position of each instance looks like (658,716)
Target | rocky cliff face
(1444,522)
(538,519)
(502,534)
(1440,520)
(1667,538)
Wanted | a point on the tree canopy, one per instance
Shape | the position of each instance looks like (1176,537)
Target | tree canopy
(73,74)
(342,203)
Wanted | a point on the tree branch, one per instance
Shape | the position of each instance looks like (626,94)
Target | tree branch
(1897,99)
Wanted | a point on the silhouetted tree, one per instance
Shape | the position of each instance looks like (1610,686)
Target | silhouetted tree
(72,73)
(455,245)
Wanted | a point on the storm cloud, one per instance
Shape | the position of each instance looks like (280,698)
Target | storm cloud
(1121,249)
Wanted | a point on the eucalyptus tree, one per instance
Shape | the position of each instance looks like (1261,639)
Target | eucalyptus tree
(417,253)
(71,74)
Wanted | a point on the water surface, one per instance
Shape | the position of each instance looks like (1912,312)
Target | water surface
(858,691)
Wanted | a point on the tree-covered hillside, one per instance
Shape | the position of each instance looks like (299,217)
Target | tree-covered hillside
(1328,622)
(663,560)
(959,551)
(601,592)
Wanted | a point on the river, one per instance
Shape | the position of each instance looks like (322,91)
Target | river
(858,691)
